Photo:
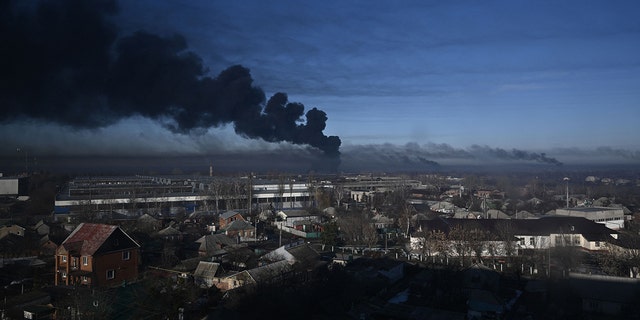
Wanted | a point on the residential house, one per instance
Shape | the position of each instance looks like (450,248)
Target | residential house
(443,207)
(381,221)
(301,253)
(214,244)
(240,229)
(273,273)
(205,274)
(98,255)
(292,218)
(147,223)
(494,235)
(228,217)
(169,234)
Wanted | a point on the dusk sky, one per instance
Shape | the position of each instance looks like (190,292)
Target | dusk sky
(415,80)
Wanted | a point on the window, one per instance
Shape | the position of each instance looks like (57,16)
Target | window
(85,260)
(126,255)
(531,241)
(111,274)
(85,279)
(576,240)
(64,274)
(597,244)
(64,258)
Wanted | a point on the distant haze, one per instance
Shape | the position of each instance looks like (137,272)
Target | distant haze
(327,86)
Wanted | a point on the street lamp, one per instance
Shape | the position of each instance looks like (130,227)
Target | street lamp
(567,183)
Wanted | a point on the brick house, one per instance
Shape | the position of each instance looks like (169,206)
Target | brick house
(228,217)
(97,255)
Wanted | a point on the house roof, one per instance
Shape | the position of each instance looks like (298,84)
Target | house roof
(267,272)
(238,225)
(543,226)
(228,214)
(88,238)
(147,218)
(169,231)
(296,213)
(212,242)
(303,253)
(206,269)
(610,289)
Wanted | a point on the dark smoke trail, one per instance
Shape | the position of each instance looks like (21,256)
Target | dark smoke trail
(64,62)
(514,154)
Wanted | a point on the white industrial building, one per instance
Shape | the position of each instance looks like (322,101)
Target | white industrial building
(137,194)
(612,218)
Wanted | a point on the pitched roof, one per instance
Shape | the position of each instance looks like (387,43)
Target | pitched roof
(169,231)
(212,242)
(206,269)
(270,271)
(543,226)
(238,225)
(87,238)
(146,218)
(228,214)
(303,253)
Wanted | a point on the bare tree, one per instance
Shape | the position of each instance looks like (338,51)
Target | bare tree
(477,242)
(215,189)
(280,190)
(460,238)
(291,192)
(358,230)
(505,232)
(623,258)
(436,244)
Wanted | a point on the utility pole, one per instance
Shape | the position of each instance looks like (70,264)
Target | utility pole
(566,179)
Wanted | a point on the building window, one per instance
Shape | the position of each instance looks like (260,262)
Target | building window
(63,274)
(597,244)
(531,241)
(85,279)
(64,258)
(111,274)
(126,255)
(85,261)
(576,240)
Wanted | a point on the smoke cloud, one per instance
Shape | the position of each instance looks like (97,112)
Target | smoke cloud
(514,154)
(413,156)
(65,62)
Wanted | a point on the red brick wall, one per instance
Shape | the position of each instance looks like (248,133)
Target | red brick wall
(125,270)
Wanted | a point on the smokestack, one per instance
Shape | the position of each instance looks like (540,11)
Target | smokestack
(210,170)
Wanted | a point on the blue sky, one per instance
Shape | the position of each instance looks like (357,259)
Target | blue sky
(509,74)
(560,77)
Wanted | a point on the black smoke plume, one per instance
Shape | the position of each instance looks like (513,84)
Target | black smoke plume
(514,154)
(65,62)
